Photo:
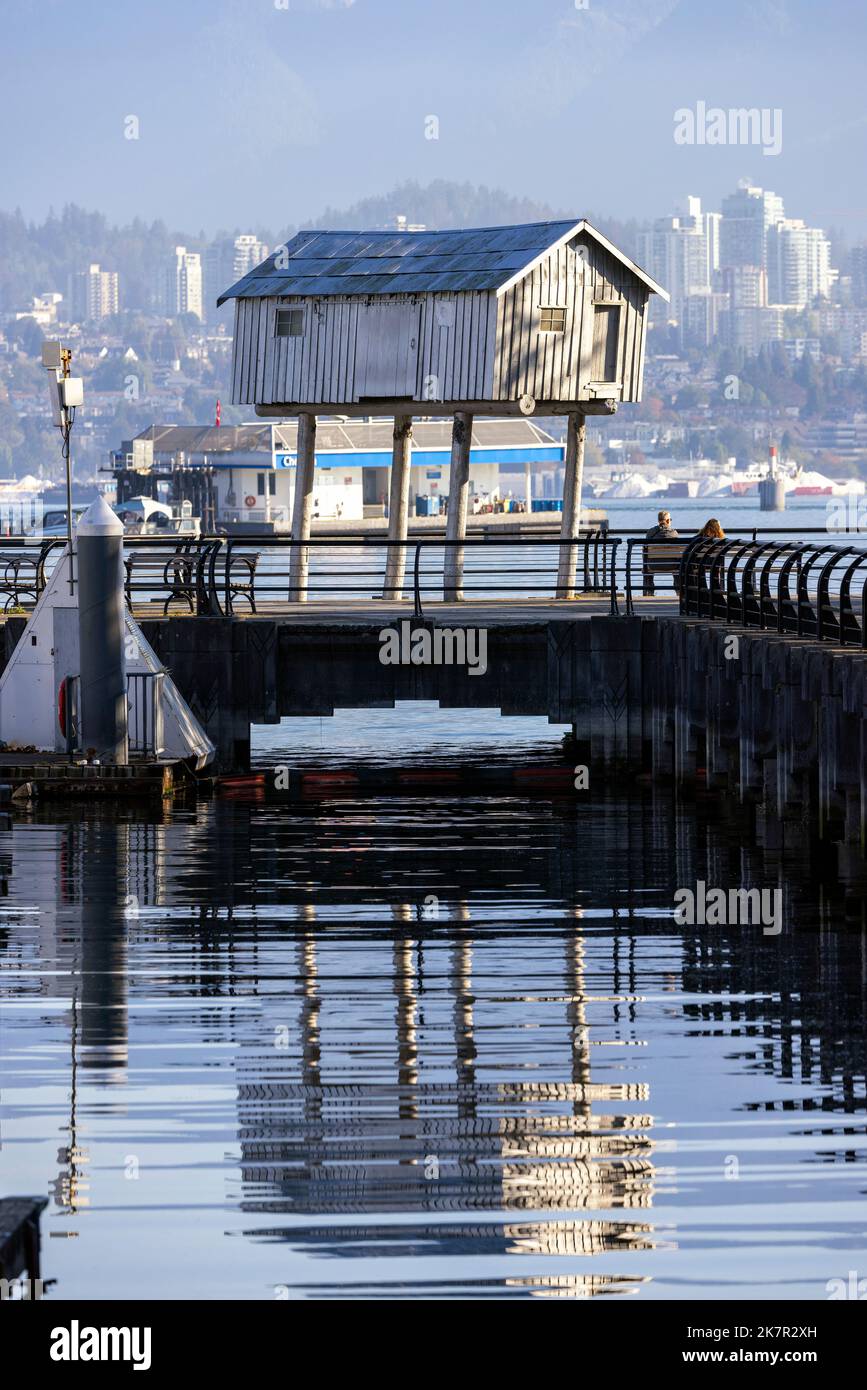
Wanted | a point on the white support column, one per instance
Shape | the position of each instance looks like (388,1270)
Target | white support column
(456,520)
(302,507)
(398,506)
(572,487)
(528,485)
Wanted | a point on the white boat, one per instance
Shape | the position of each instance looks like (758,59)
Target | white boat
(142,516)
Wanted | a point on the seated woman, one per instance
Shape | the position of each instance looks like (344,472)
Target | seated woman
(712,531)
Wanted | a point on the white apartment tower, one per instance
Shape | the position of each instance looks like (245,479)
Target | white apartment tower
(747,215)
(799,263)
(183,287)
(225,262)
(248,252)
(682,253)
(94,294)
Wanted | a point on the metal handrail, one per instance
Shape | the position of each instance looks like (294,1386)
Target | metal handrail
(726,571)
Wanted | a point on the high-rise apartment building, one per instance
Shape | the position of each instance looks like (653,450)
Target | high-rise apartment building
(226,261)
(858,273)
(747,214)
(94,294)
(799,263)
(682,253)
(183,283)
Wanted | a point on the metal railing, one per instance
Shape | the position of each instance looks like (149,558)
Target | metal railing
(215,576)
(144,700)
(810,588)
(798,587)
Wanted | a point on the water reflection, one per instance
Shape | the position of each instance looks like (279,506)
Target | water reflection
(420,1046)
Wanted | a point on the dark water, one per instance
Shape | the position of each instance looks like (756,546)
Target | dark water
(419,1046)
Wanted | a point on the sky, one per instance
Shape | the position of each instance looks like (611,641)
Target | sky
(262,113)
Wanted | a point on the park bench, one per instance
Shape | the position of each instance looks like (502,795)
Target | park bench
(239,579)
(21,578)
(660,558)
(163,573)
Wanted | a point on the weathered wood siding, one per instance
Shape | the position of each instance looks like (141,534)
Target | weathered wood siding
(470,346)
(558,366)
(427,347)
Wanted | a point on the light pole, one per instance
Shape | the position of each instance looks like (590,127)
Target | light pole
(67,392)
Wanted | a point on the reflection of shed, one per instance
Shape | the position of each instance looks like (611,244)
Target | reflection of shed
(548,318)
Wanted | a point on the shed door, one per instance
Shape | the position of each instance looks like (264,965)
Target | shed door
(606,338)
(386,349)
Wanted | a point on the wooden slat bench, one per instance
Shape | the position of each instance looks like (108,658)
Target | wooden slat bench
(659,558)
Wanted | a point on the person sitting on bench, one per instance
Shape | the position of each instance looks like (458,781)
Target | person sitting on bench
(663,531)
(660,558)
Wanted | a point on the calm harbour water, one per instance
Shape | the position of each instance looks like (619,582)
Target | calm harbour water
(414,1046)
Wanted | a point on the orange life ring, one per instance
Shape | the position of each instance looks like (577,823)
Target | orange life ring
(249,500)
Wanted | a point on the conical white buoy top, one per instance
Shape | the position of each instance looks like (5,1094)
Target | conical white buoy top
(100,520)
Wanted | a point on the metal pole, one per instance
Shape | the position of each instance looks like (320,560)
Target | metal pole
(572,487)
(101,625)
(66,432)
(398,506)
(456,520)
(302,508)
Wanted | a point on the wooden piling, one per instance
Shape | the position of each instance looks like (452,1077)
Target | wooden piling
(302,509)
(398,506)
(572,487)
(456,520)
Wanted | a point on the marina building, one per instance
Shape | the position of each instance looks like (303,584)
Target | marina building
(244,477)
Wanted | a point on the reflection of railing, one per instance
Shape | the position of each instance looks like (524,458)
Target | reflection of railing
(70,706)
(144,695)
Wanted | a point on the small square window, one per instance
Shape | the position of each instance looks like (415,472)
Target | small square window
(552,320)
(290,323)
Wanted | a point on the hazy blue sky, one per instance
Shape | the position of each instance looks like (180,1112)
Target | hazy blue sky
(251,113)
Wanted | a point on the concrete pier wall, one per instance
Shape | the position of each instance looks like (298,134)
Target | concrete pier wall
(776,723)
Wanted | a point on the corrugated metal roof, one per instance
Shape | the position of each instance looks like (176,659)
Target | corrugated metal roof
(322,263)
(339,435)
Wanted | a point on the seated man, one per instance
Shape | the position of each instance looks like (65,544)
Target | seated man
(661,559)
(663,530)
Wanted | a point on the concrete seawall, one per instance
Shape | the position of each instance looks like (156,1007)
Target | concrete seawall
(776,723)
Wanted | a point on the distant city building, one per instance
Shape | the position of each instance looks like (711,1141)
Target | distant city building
(858,273)
(226,261)
(45,309)
(93,294)
(752,329)
(682,253)
(702,316)
(746,286)
(747,214)
(796,348)
(183,283)
(400,224)
(799,263)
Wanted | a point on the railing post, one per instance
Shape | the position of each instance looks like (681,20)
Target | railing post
(418,613)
